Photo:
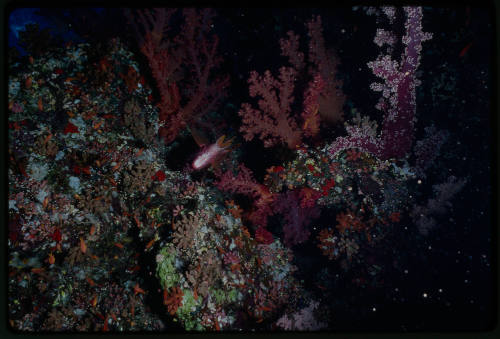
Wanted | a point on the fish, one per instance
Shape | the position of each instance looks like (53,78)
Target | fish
(137,290)
(94,301)
(28,82)
(105,327)
(465,49)
(210,155)
(83,246)
(90,281)
(150,243)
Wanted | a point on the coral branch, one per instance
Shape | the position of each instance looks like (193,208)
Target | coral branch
(398,100)
(191,53)
(272,121)
(325,63)
(244,183)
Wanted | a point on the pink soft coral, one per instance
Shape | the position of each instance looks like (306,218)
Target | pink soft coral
(244,183)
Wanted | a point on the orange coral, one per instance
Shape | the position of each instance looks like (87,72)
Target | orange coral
(173,299)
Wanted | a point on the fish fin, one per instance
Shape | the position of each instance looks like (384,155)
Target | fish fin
(220,141)
(224,144)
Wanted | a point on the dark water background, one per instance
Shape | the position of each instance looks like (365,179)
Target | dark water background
(458,257)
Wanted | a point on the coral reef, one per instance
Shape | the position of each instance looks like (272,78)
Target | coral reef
(146,194)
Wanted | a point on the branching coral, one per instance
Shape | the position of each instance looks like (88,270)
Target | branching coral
(138,178)
(96,200)
(186,231)
(44,145)
(191,53)
(274,122)
(173,299)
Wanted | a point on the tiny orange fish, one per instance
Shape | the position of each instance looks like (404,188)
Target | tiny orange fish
(45,202)
(97,125)
(137,289)
(92,230)
(115,167)
(90,281)
(465,49)
(83,246)
(47,138)
(37,270)
(71,115)
(105,327)
(52,259)
(40,104)
(94,301)
(28,82)
(117,244)
(137,221)
(135,268)
(321,287)
(149,244)
(112,181)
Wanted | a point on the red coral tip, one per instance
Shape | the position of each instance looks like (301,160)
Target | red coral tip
(70,128)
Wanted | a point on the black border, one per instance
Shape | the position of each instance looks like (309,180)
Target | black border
(492,5)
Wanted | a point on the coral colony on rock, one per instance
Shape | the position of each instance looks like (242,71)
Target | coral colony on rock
(249,170)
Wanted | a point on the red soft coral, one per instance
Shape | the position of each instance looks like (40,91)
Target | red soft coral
(244,183)
(263,236)
(192,53)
